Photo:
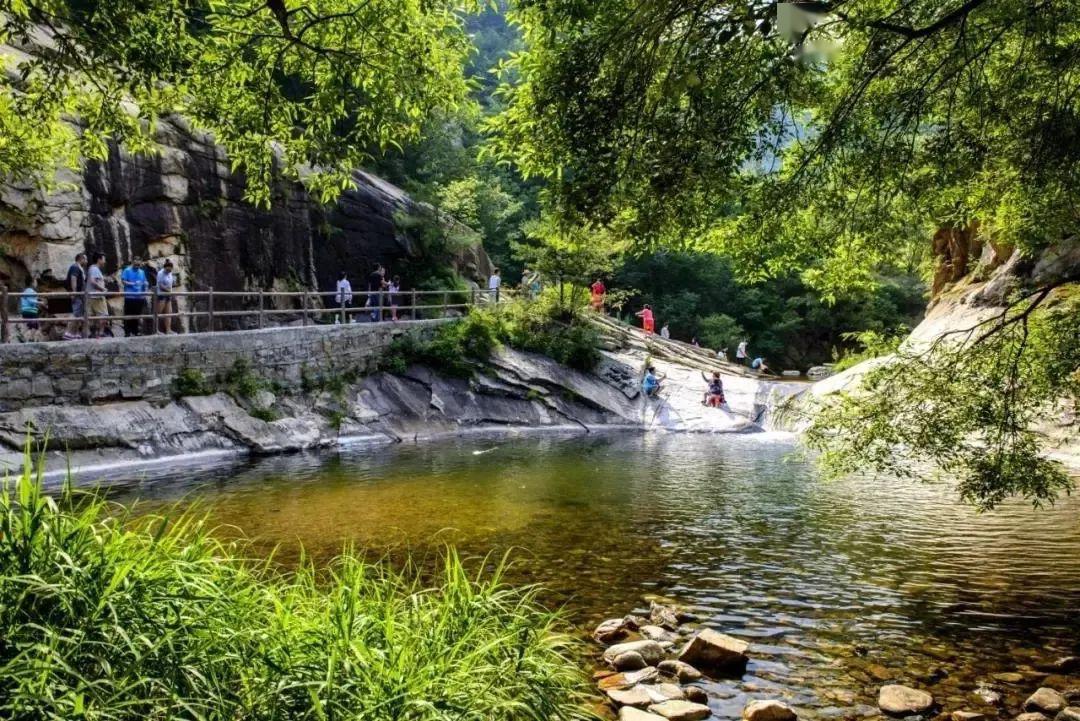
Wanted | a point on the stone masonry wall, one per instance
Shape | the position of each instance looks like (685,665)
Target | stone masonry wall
(97,371)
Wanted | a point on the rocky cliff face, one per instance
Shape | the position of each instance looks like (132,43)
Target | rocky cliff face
(186,204)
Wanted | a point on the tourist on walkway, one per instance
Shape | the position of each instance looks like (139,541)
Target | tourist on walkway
(167,305)
(646,319)
(494,283)
(133,279)
(530,283)
(30,307)
(665,333)
(343,296)
(395,296)
(376,284)
(98,311)
(740,353)
(75,283)
(714,392)
(598,293)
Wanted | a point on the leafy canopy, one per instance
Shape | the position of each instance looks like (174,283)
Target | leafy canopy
(281,84)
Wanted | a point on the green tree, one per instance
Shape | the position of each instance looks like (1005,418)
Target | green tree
(721,331)
(283,85)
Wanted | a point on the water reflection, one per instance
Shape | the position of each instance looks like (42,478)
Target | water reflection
(838,585)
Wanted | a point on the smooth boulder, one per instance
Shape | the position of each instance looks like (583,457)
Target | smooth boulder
(629,661)
(651,651)
(681,710)
(1046,700)
(663,616)
(1032,716)
(897,700)
(768,711)
(610,631)
(629,713)
(628,680)
(684,672)
(711,650)
(1069,713)
(967,716)
(696,694)
(636,696)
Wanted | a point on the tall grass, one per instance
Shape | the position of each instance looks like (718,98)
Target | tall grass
(104,616)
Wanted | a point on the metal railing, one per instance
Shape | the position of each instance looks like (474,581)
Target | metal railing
(202,311)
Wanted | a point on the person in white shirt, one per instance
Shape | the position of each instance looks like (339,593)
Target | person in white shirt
(740,353)
(664,332)
(343,295)
(394,289)
(493,285)
(167,305)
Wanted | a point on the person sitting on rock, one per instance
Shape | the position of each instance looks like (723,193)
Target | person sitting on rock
(760,366)
(714,394)
(650,384)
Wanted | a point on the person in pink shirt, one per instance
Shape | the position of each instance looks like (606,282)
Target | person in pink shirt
(646,319)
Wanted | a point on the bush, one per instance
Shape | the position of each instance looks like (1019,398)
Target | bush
(108,617)
(191,382)
(241,381)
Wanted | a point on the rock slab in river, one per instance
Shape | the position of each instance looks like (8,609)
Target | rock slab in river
(651,651)
(629,713)
(967,716)
(684,672)
(1045,700)
(681,710)
(897,700)
(1032,716)
(636,696)
(610,631)
(1069,713)
(768,711)
(712,650)
(628,680)
(629,661)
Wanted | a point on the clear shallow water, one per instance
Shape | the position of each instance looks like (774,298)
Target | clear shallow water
(837,585)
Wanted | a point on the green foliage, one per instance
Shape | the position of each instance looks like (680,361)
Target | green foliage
(191,382)
(282,85)
(106,617)
(968,404)
(721,331)
(264,414)
(872,345)
(241,381)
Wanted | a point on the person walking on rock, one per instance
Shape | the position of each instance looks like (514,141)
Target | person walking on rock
(740,353)
(598,293)
(647,323)
(75,283)
(133,279)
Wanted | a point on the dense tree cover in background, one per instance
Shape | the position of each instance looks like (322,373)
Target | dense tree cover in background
(281,84)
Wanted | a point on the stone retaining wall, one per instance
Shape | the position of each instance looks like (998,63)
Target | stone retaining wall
(94,371)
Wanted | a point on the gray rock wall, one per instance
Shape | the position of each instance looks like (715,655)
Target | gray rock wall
(97,371)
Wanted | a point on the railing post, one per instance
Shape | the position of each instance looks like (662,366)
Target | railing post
(303,305)
(154,310)
(472,297)
(497,289)
(261,307)
(4,332)
(415,308)
(445,302)
(210,309)
(86,305)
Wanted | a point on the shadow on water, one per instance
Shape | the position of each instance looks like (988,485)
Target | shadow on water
(839,586)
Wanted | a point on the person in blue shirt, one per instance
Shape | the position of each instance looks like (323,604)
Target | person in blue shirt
(30,310)
(133,278)
(650,384)
(760,365)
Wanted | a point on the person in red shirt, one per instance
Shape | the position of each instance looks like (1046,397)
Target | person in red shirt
(646,319)
(598,291)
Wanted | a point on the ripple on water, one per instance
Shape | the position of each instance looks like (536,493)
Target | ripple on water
(824,579)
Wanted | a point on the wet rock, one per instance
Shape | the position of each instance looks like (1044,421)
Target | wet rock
(989,695)
(628,680)
(663,616)
(967,716)
(610,631)
(1032,716)
(1072,696)
(711,650)
(696,694)
(633,622)
(1067,664)
(1008,677)
(681,710)
(601,675)
(629,661)
(1069,713)
(1045,700)
(684,672)
(635,696)
(657,633)
(879,672)
(900,701)
(685,616)
(662,692)
(651,651)
(629,713)
(768,711)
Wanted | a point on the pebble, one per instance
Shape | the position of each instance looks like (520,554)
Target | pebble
(629,661)
(1008,677)
(1045,700)
(967,716)
(629,713)
(1032,716)
(897,700)
(651,651)
(768,711)
(696,694)
(681,710)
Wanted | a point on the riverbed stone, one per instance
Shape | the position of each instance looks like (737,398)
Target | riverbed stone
(1046,700)
(630,679)
(1067,664)
(989,695)
(900,701)
(610,631)
(1069,713)
(629,661)
(696,694)
(967,716)
(684,672)
(663,616)
(879,672)
(636,696)
(651,651)
(1032,716)
(633,622)
(657,633)
(768,710)
(681,710)
(711,650)
(662,692)
(629,713)
(1072,695)
(1008,677)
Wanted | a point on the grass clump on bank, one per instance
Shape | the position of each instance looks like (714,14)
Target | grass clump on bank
(108,617)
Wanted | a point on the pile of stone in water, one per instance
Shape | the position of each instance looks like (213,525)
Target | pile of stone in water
(655,661)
